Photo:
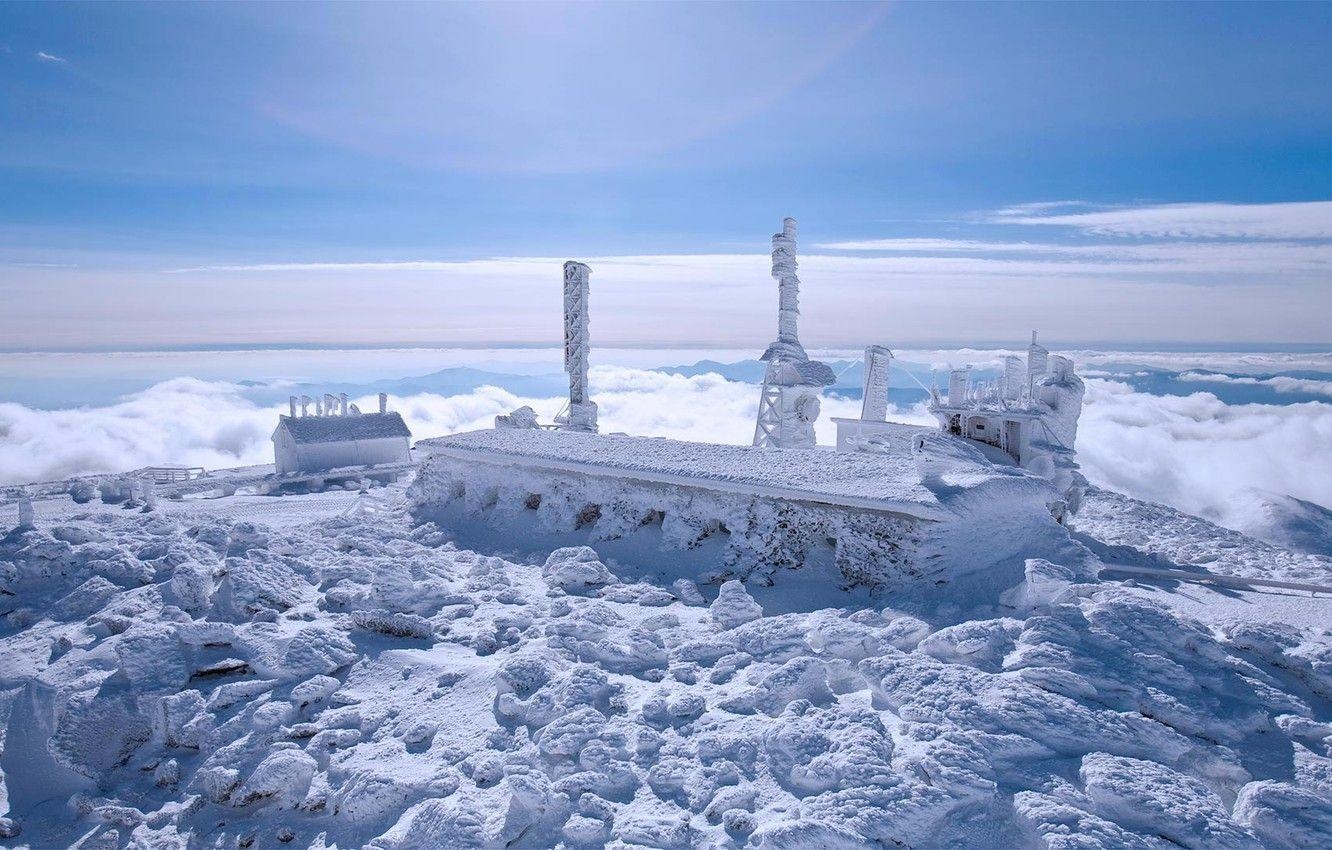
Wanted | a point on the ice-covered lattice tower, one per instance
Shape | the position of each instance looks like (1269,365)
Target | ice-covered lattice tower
(874,401)
(789,402)
(582,413)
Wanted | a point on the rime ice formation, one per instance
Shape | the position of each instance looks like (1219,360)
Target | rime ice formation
(892,506)
(582,412)
(882,517)
(522,418)
(1034,419)
(25,513)
(789,401)
(194,677)
(874,403)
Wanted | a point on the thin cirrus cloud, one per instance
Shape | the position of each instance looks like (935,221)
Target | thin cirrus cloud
(43,56)
(1294,220)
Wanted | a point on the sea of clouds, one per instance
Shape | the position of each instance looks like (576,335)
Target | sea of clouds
(1194,452)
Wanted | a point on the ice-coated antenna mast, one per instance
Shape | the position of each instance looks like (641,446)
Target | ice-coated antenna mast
(789,401)
(582,412)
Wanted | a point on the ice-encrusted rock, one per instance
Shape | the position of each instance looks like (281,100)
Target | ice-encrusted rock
(84,600)
(812,750)
(316,689)
(734,606)
(807,833)
(313,650)
(798,679)
(98,730)
(192,586)
(1150,798)
(1044,584)
(565,735)
(183,719)
(260,582)
(283,778)
(978,643)
(687,592)
(394,624)
(1058,824)
(523,418)
(1284,816)
(151,658)
(576,568)
(492,817)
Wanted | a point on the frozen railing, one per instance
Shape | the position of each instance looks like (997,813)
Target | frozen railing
(173,474)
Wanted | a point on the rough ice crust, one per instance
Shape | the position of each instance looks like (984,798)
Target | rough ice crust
(887,516)
(555,702)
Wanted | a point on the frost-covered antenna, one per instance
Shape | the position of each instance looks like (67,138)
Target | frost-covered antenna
(784,267)
(958,380)
(582,415)
(25,513)
(789,400)
(874,403)
(1038,363)
(1013,378)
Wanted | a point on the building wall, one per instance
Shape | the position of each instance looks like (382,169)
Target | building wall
(316,457)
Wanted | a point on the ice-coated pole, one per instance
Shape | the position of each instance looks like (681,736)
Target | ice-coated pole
(788,284)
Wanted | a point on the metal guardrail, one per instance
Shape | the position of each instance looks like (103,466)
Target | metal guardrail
(174,474)
(1214,578)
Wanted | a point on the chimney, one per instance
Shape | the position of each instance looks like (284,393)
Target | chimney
(342,403)
(291,406)
(383,402)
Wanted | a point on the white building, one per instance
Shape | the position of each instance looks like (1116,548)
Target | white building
(339,438)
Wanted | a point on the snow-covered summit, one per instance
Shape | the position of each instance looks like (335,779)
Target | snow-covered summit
(185,679)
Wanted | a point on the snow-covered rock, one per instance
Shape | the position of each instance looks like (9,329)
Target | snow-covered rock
(734,606)
(576,568)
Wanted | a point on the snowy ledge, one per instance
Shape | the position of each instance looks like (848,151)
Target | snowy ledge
(888,481)
(880,518)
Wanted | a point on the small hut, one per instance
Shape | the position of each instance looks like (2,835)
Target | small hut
(339,437)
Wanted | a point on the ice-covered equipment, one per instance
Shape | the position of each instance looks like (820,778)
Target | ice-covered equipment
(1031,414)
(874,402)
(789,401)
(582,412)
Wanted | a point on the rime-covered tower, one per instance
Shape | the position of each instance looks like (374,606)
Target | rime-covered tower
(789,402)
(582,413)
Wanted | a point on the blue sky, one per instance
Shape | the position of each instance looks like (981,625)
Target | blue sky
(197,174)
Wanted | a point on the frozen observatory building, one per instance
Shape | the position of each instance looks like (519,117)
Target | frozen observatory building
(892,504)
(337,434)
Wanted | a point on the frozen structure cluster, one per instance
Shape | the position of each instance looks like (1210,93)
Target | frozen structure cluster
(895,503)
(343,669)
(1031,413)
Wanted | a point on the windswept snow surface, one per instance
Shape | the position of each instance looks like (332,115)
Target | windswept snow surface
(193,677)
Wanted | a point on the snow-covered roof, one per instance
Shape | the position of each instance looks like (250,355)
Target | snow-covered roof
(333,429)
(888,480)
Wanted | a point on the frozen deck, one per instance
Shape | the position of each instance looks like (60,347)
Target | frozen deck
(885,482)
(882,516)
